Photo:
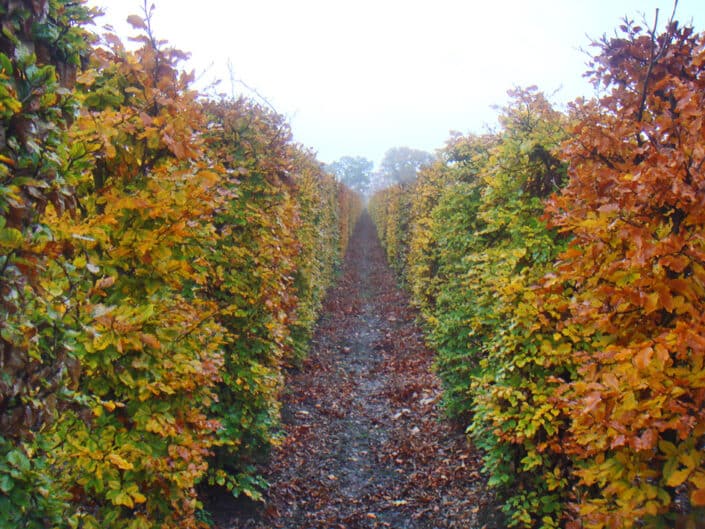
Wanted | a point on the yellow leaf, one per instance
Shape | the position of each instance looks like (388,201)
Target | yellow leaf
(678,477)
(698,479)
(154,426)
(138,497)
(87,78)
(667,448)
(119,462)
(102,341)
(564,348)
(110,405)
(124,499)
(690,459)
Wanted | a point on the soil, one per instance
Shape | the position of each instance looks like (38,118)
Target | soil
(365,444)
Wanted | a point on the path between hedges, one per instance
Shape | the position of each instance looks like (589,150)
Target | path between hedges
(365,446)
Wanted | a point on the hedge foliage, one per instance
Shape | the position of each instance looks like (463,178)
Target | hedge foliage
(163,258)
(558,265)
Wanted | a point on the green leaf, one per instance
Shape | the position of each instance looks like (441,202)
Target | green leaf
(6,483)
(19,460)
(11,238)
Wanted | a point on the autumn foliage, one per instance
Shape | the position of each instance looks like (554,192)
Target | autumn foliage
(163,258)
(634,267)
(475,246)
(558,264)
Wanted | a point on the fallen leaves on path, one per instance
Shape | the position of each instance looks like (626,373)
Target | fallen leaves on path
(365,444)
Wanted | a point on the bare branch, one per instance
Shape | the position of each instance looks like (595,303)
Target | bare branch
(652,60)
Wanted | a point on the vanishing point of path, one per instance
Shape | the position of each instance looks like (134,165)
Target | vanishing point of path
(365,444)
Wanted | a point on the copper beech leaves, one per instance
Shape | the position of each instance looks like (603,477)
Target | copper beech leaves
(566,306)
(632,208)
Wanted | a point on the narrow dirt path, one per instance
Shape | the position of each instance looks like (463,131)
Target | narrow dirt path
(364,446)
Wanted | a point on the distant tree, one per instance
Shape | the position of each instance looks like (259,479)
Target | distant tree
(353,171)
(401,164)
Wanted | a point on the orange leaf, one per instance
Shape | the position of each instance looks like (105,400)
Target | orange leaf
(150,340)
(697,497)
(643,358)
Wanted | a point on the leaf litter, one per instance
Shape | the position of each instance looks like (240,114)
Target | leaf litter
(365,444)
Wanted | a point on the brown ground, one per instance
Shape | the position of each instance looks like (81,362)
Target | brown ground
(365,444)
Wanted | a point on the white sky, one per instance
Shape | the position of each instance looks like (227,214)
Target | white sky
(357,77)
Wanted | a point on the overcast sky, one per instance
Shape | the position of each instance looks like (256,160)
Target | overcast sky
(359,77)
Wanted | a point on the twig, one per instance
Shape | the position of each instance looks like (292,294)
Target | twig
(652,59)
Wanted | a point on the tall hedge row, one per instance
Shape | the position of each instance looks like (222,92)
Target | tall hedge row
(557,263)
(163,257)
